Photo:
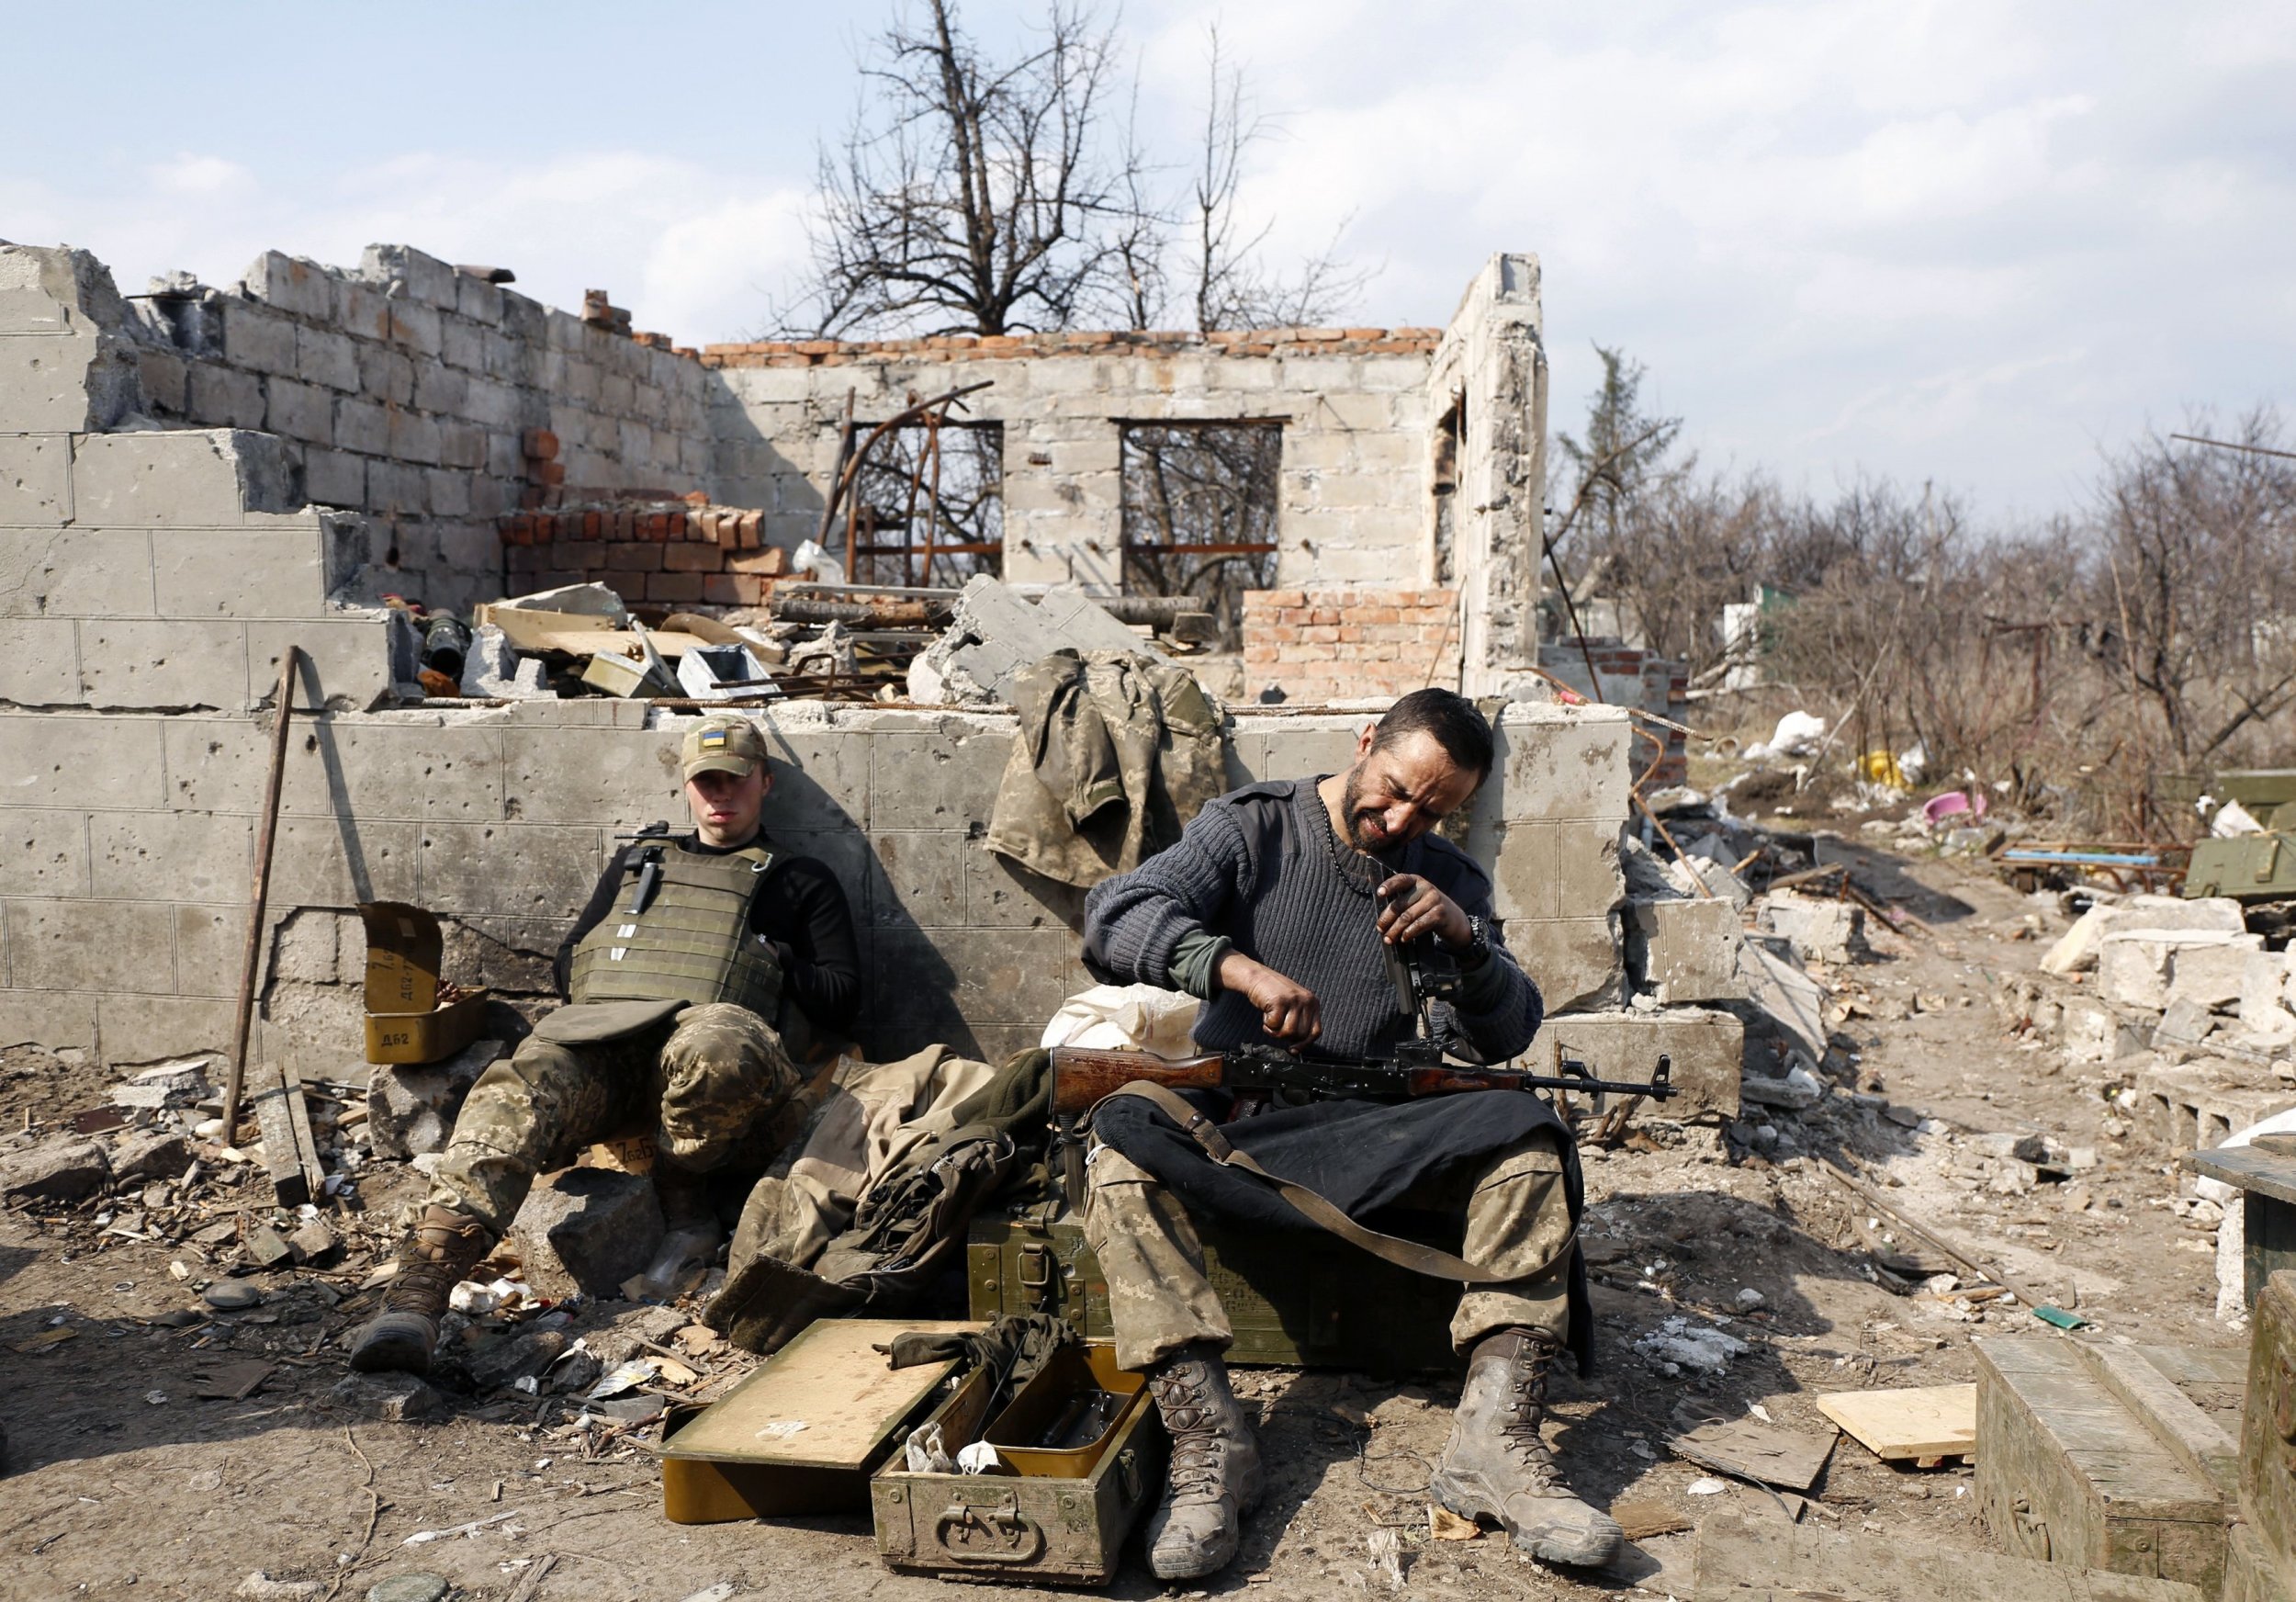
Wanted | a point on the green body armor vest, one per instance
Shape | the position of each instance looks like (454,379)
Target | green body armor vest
(679,931)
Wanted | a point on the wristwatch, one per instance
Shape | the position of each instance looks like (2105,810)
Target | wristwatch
(1477,950)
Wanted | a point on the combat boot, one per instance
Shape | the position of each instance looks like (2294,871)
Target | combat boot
(1215,1477)
(446,1247)
(1496,1466)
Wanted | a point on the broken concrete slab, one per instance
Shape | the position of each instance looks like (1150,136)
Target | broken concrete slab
(55,1170)
(411,1108)
(150,1155)
(586,1230)
(2132,964)
(1683,950)
(996,631)
(1786,994)
(493,670)
(2212,975)
(2263,1006)
(1819,928)
(2079,948)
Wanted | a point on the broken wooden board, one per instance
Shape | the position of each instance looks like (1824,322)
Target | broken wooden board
(289,1154)
(1920,1421)
(1747,1559)
(577,634)
(1753,1450)
(230,1381)
(1641,1518)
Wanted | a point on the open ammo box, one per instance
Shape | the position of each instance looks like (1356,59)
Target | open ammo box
(405,1022)
(1087,1451)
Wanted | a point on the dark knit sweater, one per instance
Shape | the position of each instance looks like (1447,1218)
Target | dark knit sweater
(1262,867)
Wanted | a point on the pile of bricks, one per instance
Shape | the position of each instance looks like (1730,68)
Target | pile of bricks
(1328,645)
(958,347)
(685,551)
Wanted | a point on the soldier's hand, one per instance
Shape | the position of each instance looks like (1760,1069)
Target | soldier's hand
(1289,1011)
(1411,907)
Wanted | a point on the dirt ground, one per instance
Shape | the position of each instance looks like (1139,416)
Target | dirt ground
(124,1481)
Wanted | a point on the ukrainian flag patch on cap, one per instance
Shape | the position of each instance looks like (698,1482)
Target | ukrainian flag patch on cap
(715,739)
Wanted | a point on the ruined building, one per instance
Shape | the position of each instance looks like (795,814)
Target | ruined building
(192,479)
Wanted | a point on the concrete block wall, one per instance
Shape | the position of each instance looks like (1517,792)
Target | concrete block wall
(1353,404)
(1491,371)
(121,917)
(1333,645)
(1629,676)
(405,389)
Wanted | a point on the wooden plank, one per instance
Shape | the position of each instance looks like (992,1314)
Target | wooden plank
(2248,1168)
(2199,1441)
(1757,1451)
(825,1400)
(1920,1421)
(1745,1559)
(289,1154)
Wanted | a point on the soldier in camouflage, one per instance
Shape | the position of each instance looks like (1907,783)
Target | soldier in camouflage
(703,966)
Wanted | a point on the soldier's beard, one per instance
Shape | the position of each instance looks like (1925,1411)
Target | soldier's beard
(1371,842)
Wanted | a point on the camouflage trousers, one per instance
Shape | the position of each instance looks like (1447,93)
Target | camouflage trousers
(1515,1214)
(710,1085)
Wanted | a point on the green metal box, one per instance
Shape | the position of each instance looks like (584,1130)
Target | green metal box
(1295,1300)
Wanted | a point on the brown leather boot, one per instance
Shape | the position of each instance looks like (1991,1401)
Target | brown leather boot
(444,1248)
(1215,1476)
(1496,1466)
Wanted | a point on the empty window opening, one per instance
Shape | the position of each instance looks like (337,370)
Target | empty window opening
(928,506)
(1200,501)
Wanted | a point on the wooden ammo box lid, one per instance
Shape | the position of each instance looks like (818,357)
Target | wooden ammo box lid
(801,1433)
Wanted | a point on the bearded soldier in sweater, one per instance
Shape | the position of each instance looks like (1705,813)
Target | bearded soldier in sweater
(1272,910)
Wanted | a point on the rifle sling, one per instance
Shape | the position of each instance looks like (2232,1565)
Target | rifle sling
(1405,1253)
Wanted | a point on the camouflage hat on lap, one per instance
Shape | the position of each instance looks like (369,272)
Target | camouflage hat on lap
(723,744)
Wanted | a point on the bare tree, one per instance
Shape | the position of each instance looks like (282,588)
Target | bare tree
(976,196)
(1233,286)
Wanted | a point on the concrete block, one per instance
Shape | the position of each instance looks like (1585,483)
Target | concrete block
(304,411)
(43,852)
(215,395)
(257,339)
(219,573)
(129,664)
(919,878)
(478,299)
(182,479)
(2263,1006)
(415,437)
(1685,950)
(42,667)
(624,778)
(292,284)
(35,478)
(165,379)
(1522,859)
(44,382)
(346,661)
(2212,976)
(1705,1048)
(1559,761)
(2132,964)
(999,893)
(362,426)
(75,572)
(410,1108)
(936,781)
(45,757)
(509,870)
(586,1230)
(149,1154)
(49,1018)
(171,856)
(417,330)
(440,388)
(334,478)
(211,945)
(386,376)
(57,1170)
(397,489)
(1587,881)
(422,277)
(100,946)
(1575,961)
(340,863)
(323,357)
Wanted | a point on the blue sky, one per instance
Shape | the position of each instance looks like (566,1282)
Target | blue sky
(1973,244)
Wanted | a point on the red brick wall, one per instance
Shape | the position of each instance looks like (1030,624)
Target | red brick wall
(1329,645)
(674,553)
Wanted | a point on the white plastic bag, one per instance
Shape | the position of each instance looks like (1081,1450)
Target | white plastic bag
(1126,1017)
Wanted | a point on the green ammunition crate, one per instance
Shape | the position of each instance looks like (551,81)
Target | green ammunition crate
(2246,868)
(1295,1300)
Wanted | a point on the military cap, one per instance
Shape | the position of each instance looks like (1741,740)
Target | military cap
(723,744)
